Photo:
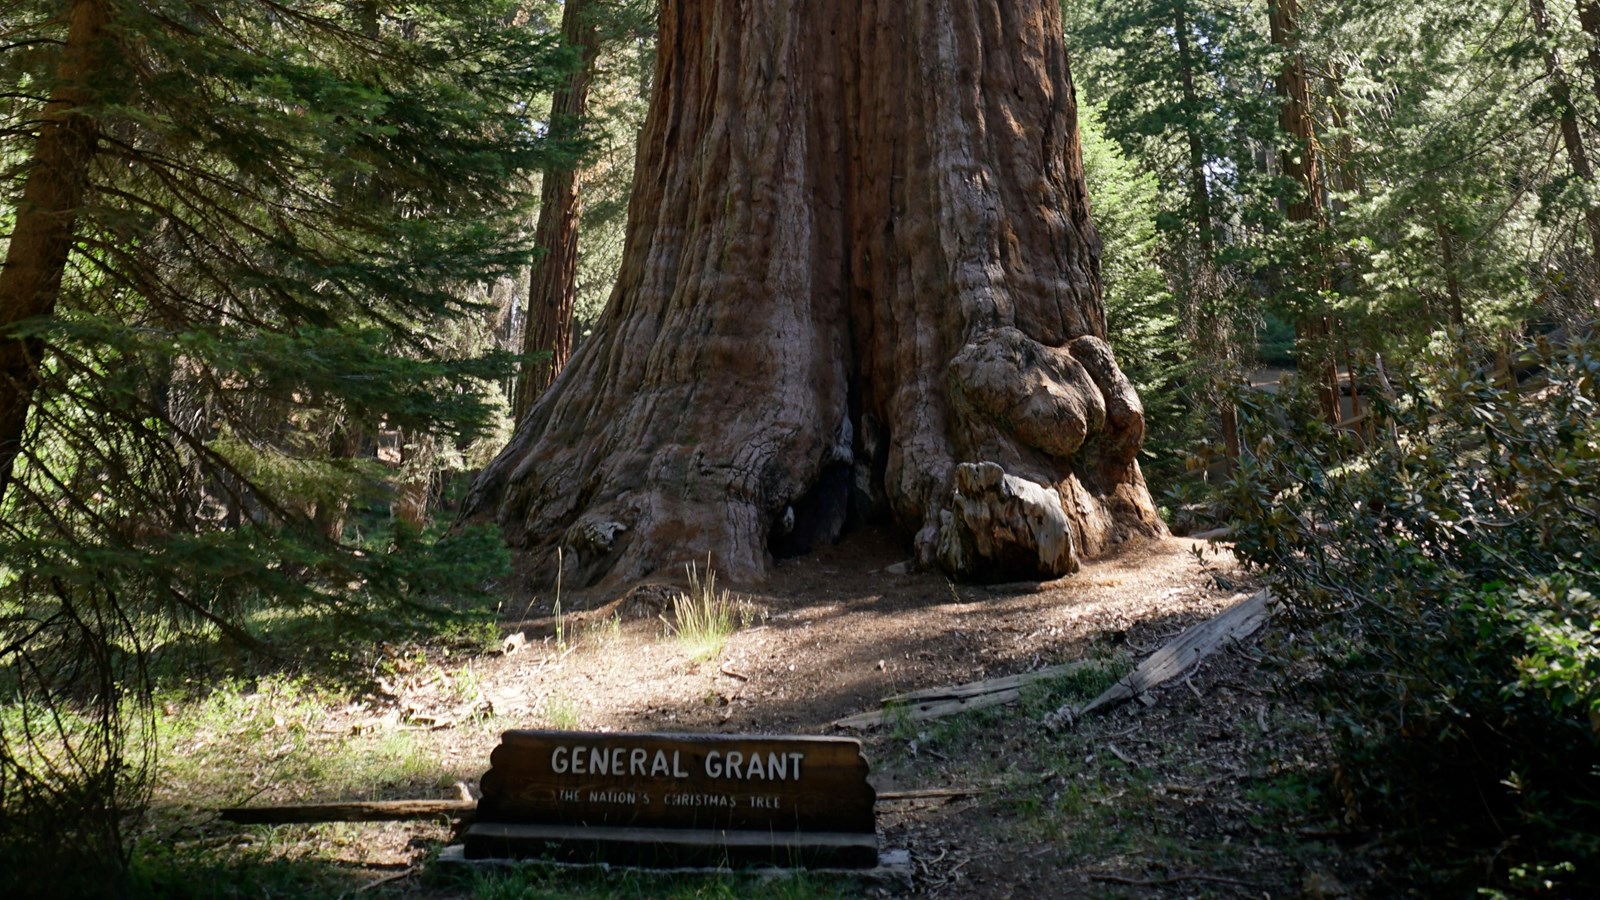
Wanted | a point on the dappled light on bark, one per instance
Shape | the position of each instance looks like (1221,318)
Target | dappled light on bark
(859,238)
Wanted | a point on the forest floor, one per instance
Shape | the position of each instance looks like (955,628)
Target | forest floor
(1212,791)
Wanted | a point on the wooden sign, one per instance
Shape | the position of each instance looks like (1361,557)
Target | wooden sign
(676,799)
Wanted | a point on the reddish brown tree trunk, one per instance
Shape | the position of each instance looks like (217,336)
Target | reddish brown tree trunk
(552,284)
(859,252)
(1199,190)
(41,238)
(1589,18)
(1307,206)
(1571,137)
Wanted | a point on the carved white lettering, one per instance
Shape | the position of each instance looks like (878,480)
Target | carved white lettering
(641,762)
(722,800)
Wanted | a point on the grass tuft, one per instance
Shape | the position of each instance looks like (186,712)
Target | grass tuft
(704,617)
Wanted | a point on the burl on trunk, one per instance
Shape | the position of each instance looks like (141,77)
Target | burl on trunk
(859,272)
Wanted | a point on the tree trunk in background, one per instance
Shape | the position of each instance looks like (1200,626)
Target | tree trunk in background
(1200,203)
(552,284)
(859,271)
(41,237)
(1589,18)
(1307,207)
(1571,137)
(1452,279)
(1199,190)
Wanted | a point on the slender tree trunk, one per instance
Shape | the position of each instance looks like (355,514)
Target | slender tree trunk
(41,238)
(552,284)
(1200,204)
(1344,177)
(1308,206)
(1571,137)
(1345,180)
(1589,18)
(1452,279)
(859,271)
(1350,369)
(1199,190)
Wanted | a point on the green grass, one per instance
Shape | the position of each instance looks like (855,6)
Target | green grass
(160,873)
(704,617)
(241,739)
(559,711)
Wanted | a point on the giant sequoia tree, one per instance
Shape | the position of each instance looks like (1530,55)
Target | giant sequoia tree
(859,264)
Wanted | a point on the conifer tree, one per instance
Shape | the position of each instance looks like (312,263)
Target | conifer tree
(231,231)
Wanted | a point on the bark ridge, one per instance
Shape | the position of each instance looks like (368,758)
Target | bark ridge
(859,241)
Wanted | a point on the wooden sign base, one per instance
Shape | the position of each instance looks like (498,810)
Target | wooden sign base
(658,847)
(894,867)
(676,800)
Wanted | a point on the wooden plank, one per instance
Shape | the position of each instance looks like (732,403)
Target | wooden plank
(1235,623)
(928,794)
(359,811)
(937,703)
(669,846)
(989,686)
(936,709)
(691,781)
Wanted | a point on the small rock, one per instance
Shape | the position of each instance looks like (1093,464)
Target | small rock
(513,643)
(900,568)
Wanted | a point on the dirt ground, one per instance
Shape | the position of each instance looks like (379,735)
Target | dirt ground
(1209,792)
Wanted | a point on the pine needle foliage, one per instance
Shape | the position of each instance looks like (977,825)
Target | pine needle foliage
(285,205)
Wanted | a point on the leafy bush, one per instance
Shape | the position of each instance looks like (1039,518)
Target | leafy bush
(1446,576)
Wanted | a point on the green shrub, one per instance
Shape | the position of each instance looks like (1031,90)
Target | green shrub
(1445,577)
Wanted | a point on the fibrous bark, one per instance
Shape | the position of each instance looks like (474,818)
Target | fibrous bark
(858,245)
(552,283)
(1571,135)
(1589,19)
(1314,333)
(1199,190)
(41,237)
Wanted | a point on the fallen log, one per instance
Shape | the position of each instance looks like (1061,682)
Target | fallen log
(1235,623)
(928,794)
(939,702)
(358,811)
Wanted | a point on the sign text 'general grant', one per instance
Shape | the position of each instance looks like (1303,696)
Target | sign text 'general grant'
(640,762)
